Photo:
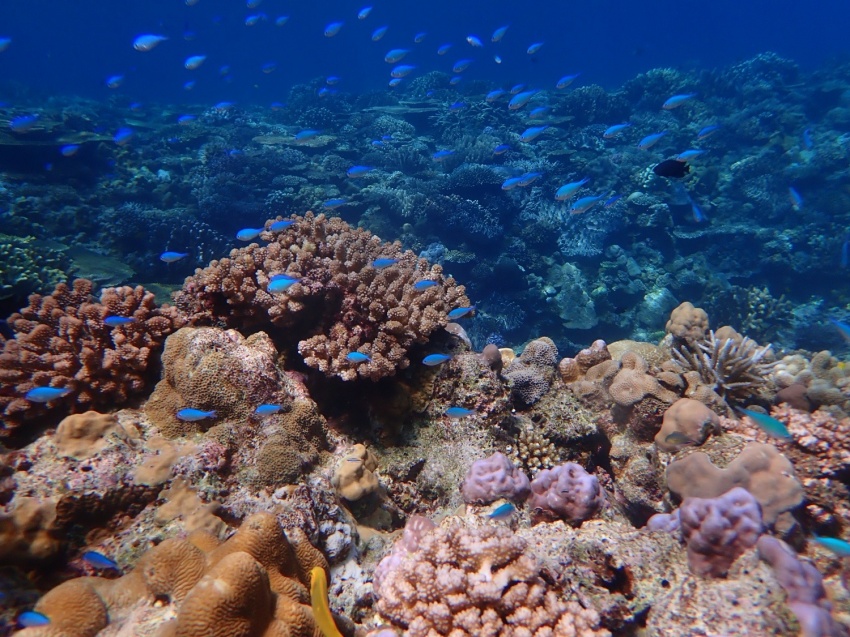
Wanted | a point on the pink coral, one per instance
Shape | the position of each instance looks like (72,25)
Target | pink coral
(62,341)
(566,492)
(492,478)
(341,303)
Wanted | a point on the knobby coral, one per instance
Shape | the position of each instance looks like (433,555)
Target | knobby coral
(61,341)
(343,299)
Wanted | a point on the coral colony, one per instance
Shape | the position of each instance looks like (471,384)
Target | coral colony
(340,402)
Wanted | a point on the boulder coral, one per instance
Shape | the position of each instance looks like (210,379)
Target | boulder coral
(493,478)
(565,492)
(686,422)
(530,375)
(340,301)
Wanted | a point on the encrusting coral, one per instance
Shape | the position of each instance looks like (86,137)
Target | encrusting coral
(340,302)
(62,341)
(461,581)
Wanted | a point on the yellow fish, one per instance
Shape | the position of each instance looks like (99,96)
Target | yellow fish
(319,602)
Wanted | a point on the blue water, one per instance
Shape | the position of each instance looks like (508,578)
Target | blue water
(71,47)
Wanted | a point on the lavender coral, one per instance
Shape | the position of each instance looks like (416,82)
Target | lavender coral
(566,492)
(492,478)
(340,302)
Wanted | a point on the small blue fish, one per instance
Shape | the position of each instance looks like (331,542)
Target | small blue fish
(584,204)
(459,412)
(517,88)
(4,43)
(707,131)
(281,20)
(378,33)
(492,96)
(474,41)
(333,204)
(540,111)
(306,135)
(123,135)
(419,37)
(435,359)
(461,65)
(616,129)
(69,150)
(194,62)
(689,155)
(247,234)
(501,149)
(281,283)
(838,546)
(117,321)
(402,70)
(442,155)
(277,226)
(171,257)
(677,100)
(46,394)
(333,28)
(843,329)
(795,198)
(520,99)
(395,82)
(191,415)
(610,202)
(31,618)
(269,67)
(455,80)
(148,41)
(528,178)
(99,560)
(565,81)
(511,183)
(534,48)
(696,211)
(185,120)
(460,312)
(503,511)
(364,13)
(356,172)
(650,140)
(532,133)
(424,284)
(395,55)
(382,263)
(499,33)
(114,81)
(568,190)
(443,49)
(771,426)
(23,123)
(267,409)
(358,357)
(456,106)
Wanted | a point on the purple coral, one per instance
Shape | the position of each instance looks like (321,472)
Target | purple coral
(565,492)
(718,530)
(492,478)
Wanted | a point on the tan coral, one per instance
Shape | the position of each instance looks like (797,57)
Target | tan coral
(654,355)
(759,468)
(687,323)
(354,476)
(685,422)
(81,436)
(27,533)
(172,568)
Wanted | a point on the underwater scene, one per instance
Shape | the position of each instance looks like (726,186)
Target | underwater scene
(472,318)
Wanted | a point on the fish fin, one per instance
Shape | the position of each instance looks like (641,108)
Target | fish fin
(319,603)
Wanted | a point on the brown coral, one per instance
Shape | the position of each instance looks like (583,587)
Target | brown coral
(476,581)
(686,422)
(687,323)
(355,475)
(80,436)
(62,341)
(531,374)
(341,303)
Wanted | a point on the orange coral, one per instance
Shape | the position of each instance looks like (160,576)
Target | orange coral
(341,303)
(62,341)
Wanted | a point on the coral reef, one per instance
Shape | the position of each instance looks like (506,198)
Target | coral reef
(493,478)
(566,492)
(530,374)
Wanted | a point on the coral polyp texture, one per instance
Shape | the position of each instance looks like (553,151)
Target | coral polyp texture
(462,580)
(351,293)
(61,341)
(493,478)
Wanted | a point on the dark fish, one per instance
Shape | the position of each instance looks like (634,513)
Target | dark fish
(672,168)
(678,438)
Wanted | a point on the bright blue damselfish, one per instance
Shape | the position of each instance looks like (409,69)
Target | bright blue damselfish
(46,394)
(281,283)
(504,510)
(357,357)
(382,263)
(771,426)
(191,415)
(460,312)
(424,284)
(267,409)
(277,226)
(459,412)
(31,619)
(117,321)
(435,359)
(99,560)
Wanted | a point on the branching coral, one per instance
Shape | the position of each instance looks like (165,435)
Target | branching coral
(341,302)
(61,341)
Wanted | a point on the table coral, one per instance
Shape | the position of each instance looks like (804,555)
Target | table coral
(62,341)
(476,581)
(341,303)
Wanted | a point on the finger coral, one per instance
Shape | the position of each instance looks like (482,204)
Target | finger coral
(61,341)
(476,581)
(339,301)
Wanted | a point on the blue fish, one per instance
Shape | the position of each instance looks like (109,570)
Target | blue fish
(456,106)
(501,149)
(281,283)
(584,204)
(435,359)
(565,81)
(499,33)
(424,284)
(148,41)
(459,412)
(123,135)
(461,65)
(281,20)
(511,183)
(171,257)
(534,48)
(843,329)
(616,129)
(442,155)
(185,120)
(267,409)
(529,178)
(501,512)
(568,190)
(358,357)
(443,49)
(191,415)
(610,202)
(383,262)
(532,133)
(474,41)
(454,81)
(795,198)
(333,28)
(838,546)
(114,81)
(117,321)
(688,155)
(460,312)
(246,234)
(705,131)
(46,394)
(536,113)
(277,226)
(31,618)
(419,37)
(677,100)
(4,43)
(492,96)
(99,561)
(378,33)
(358,171)
(771,426)
(395,55)
(332,204)
(364,13)
(23,123)
(69,150)
(306,135)
(650,140)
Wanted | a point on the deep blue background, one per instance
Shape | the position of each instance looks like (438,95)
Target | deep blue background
(71,47)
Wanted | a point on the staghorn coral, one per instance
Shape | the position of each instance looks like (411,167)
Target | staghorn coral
(341,302)
(759,468)
(476,581)
(734,367)
(61,341)
(566,492)
(493,478)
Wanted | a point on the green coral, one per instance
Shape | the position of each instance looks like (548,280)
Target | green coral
(27,265)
